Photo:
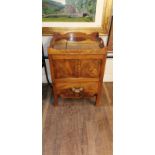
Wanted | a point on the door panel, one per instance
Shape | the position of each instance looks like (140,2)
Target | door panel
(65,68)
(74,68)
(90,68)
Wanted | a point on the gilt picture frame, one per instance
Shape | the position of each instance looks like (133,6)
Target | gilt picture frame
(68,18)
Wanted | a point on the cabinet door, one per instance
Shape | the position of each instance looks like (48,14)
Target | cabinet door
(68,68)
(64,68)
(90,68)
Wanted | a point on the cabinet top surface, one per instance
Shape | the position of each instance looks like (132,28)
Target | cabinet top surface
(88,44)
(76,41)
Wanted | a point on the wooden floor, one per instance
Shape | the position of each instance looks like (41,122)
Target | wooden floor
(77,127)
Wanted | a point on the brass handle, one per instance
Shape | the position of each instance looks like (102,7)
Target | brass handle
(77,90)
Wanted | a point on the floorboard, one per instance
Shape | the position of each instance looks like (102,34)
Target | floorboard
(76,126)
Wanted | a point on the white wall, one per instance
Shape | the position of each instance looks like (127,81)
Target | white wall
(108,76)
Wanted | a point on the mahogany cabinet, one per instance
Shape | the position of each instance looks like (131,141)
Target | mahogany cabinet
(77,63)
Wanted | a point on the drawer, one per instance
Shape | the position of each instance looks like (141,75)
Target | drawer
(77,90)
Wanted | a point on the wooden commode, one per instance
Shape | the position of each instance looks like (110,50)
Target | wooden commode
(77,63)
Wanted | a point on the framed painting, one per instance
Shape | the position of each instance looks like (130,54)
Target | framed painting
(110,37)
(76,15)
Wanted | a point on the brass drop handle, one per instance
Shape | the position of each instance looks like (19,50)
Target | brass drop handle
(77,90)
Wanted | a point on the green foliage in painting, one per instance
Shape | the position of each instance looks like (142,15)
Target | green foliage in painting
(84,10)
(51,7)
(85,6)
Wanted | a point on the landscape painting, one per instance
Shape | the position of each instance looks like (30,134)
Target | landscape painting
(68,10)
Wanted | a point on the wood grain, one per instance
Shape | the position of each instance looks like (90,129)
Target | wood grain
(76,59)
(64,68)
(66,89)
(76,127)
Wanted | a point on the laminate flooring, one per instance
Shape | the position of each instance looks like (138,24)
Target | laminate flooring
(76,126)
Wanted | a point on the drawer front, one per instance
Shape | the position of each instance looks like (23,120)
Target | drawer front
(76,68)
(78,90)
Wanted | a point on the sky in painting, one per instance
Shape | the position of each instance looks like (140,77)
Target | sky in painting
(61,1)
